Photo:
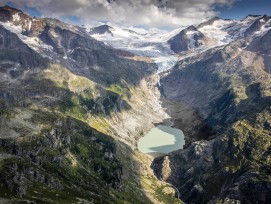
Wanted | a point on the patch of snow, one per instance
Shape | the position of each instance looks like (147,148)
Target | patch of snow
(88,29)
(225,31)
(121,33)
(29,25)
(239,28)
(33,42)
(16,17)
(264,28)
(53,33)
(191,38)
(216,32)
(14,29)
(70,51)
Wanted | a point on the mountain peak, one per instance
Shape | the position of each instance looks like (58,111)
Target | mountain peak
(191,28)
(8,13)
(102,29)
(208,22)
(10,9)
(252,15)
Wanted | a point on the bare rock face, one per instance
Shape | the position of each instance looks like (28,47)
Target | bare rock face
(187,39)
(30,26)
(264,45)
(101,30)
(259,24)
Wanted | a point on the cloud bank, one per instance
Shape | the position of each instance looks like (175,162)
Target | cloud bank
(149,13)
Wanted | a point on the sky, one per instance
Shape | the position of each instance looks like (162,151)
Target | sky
(141,13)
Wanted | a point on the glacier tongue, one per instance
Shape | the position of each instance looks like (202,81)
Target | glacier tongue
(152,45)
(165,62)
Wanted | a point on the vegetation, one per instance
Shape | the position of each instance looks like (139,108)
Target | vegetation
(62,151)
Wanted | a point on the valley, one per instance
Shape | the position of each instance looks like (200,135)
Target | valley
(75,103)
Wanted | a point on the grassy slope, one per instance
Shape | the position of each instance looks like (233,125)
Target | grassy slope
(61,152)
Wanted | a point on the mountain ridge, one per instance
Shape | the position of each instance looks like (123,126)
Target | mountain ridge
(74,104)
(65,99)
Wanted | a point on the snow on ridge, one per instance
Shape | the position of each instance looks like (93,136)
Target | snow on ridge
(16,17)
(225,31)
(243,25)
(216,31)
(33,42)
(264,28)
(29,25)
(191,37)
(151,44)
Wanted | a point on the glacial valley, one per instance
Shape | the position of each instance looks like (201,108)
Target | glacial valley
(76,101)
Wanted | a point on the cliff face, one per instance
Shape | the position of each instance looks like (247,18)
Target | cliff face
(187,39)
(227,91)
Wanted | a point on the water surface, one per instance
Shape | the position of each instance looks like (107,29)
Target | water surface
(161,139)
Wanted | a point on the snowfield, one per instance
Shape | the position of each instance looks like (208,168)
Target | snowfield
(154,42)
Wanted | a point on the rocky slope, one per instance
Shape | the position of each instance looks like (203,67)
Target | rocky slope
(223,96)
(219,95)
(187,39)
(70,114)
(216,32)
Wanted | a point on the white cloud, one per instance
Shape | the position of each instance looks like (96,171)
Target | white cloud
(151,13)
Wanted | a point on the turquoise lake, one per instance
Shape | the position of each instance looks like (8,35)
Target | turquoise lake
(161,139)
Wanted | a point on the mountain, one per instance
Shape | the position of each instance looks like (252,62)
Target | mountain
(149,45)
(103,29)
(75,100)
(223,97)
(218,93)
(216,32)
(66,131)
(187,39)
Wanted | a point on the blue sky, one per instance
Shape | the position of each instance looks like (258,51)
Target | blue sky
(141,13)
(242,8)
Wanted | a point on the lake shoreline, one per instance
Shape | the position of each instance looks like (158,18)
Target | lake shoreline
(161,140)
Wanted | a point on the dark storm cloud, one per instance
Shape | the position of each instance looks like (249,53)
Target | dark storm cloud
(151,13)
